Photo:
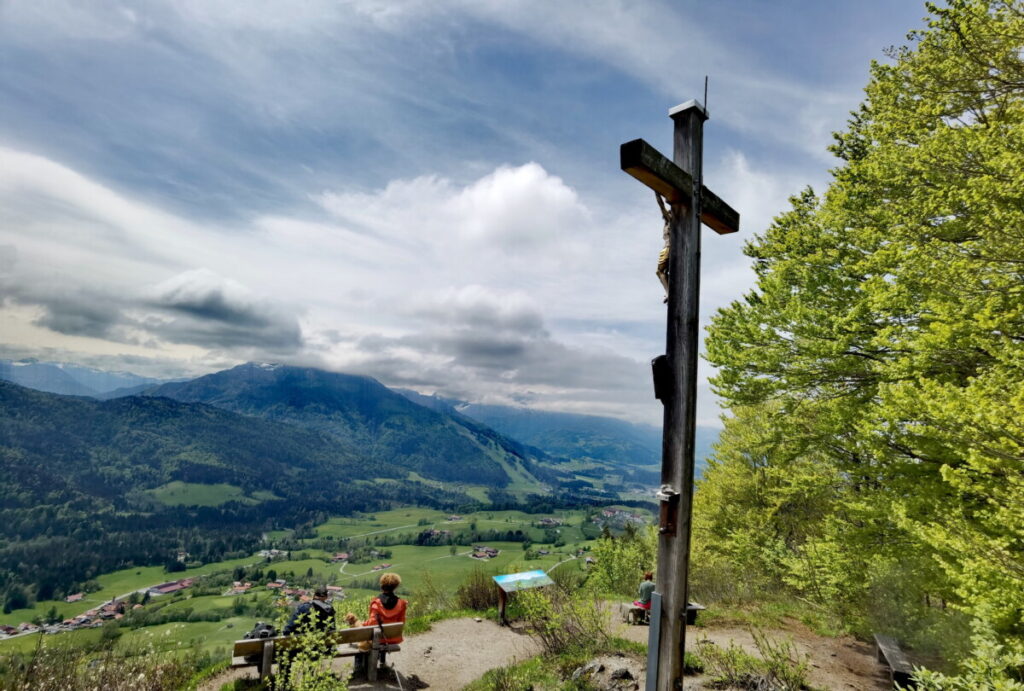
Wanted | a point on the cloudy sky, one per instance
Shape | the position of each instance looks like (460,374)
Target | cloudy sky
(424,191)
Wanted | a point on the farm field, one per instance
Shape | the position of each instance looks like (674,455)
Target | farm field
(179,493)
(116,584)
(419,565)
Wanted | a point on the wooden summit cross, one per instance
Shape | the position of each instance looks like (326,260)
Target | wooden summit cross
(675,373)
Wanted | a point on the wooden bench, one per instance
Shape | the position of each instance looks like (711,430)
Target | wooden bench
(639,615)
(900,669)
(266,648)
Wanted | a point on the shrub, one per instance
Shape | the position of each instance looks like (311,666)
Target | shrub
(620,562)
(430,598)
(477,592)
(779,666)
(991,666)
(62,667)
(563,623)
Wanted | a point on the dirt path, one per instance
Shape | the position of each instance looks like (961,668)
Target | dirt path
(836,664)
(458,651)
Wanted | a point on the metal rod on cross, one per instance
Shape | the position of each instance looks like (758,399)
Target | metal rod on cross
(680,183)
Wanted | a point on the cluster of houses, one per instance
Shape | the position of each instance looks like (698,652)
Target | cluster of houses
(380,567)
(484,552)
(453,517)
(239,588)
(619,516)
(549,522)
(334,592)
(272,553)
(110,611)
(171,587)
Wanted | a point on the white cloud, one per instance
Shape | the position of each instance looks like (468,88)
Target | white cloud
(423,282)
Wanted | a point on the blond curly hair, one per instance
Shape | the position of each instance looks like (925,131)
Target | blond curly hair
(390,581)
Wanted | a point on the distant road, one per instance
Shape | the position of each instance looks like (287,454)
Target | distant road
(385,530)
(559,564)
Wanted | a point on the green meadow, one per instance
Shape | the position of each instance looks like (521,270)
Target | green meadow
(179,493)
(116,584)
(419,566)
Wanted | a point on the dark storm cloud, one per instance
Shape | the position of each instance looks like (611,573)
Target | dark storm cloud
(81,312)
(80,315)
(275,335)
(471,356)
(214,306)
(210,311)
(194,308)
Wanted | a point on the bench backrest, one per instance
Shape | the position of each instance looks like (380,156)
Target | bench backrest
(254,646)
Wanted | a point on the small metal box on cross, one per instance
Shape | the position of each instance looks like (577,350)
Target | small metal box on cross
(681,183)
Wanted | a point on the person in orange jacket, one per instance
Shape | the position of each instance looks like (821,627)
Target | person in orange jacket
(386,608)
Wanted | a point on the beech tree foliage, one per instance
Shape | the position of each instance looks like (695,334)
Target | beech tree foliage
(874,457)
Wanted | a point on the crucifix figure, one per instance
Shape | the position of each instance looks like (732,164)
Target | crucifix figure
(675,373)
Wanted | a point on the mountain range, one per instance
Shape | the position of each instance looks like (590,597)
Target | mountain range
(570,436)
(69,379)
(91,485)
(383,427)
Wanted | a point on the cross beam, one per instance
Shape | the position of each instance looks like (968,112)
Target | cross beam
(680,182)
(646,164)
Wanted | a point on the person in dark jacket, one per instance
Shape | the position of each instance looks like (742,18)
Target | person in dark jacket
(317,615)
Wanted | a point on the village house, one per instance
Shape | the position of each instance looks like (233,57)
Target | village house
(7,630)
(549,522)
(74,598)
(238,588)
(340,556)
(171,587)
(453,517)
(484,552)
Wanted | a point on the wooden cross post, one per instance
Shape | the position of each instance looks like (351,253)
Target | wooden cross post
(680,183)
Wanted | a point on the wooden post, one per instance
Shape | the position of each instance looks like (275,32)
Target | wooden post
(681,343)
(502,606)
(266,667)
(371,672)
(680,182)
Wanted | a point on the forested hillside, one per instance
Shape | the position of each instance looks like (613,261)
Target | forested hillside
(383,426)
(80,492)
(874,462)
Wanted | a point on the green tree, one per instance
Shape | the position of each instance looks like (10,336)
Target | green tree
(881,356)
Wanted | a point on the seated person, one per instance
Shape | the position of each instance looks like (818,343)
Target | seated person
(386,608)
(318,614)
(646,588)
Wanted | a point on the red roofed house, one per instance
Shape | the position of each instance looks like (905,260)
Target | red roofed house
(74,598)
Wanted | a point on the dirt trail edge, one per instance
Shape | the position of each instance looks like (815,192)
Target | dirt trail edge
(452,654)
(456,652)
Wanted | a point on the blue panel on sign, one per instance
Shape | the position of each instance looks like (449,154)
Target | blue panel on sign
(512,582)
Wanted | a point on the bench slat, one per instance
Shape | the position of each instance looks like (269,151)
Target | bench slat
(240,661)
(896,658)
(358,634)
(900,668)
